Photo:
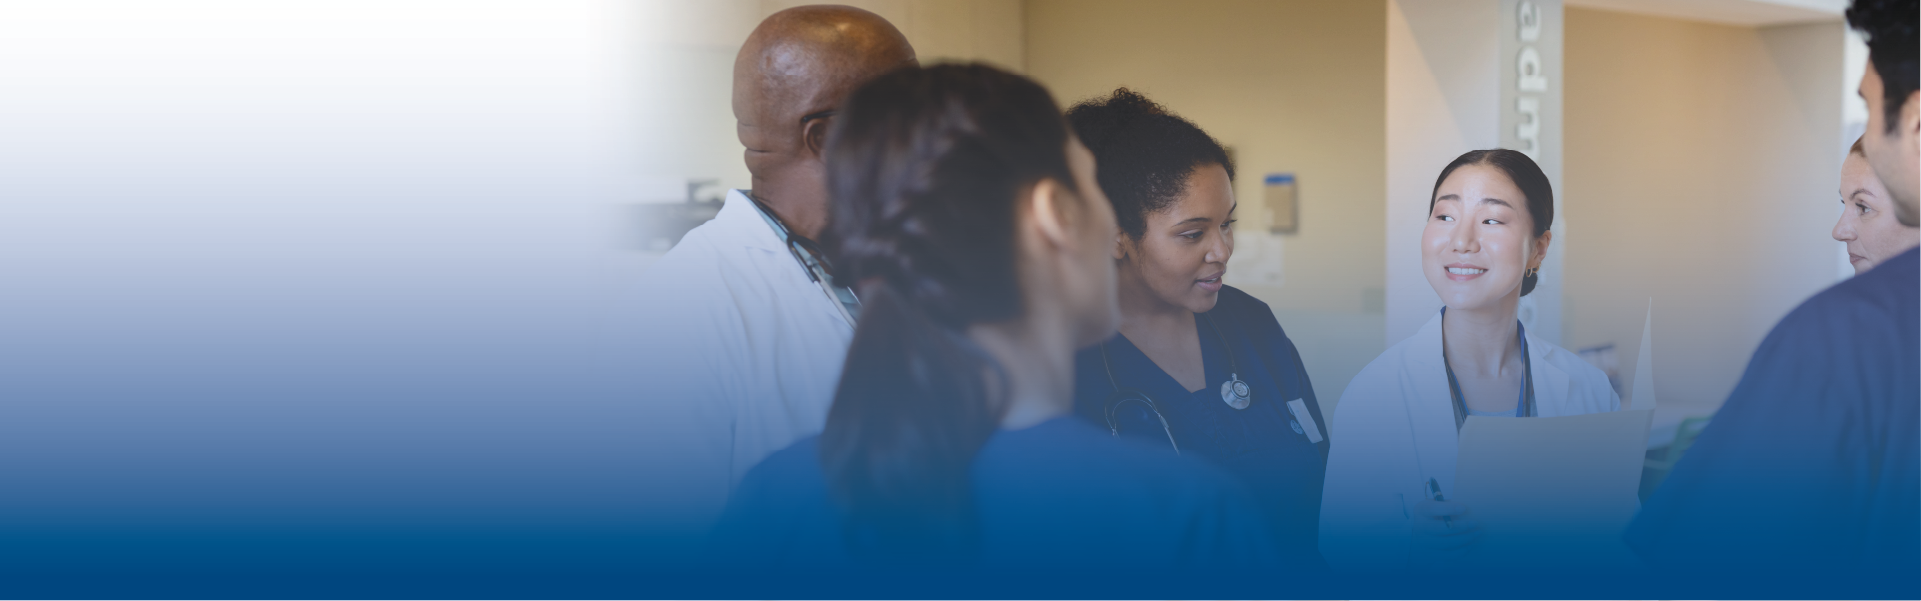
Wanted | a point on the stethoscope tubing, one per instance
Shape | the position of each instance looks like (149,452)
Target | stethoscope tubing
(1122,395)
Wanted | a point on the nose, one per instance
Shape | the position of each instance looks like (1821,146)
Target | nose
(1843,230)
(1222,248)
(1464,238)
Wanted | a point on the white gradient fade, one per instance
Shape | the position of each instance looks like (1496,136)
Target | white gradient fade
(295,259)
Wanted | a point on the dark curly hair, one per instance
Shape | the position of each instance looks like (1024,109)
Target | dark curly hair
(926,167)
(1144,153)
(1525,174)
(1889,26)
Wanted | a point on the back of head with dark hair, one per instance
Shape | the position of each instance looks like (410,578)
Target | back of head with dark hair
(1893,49)
(926,167)
(1145,153)
(1525,174)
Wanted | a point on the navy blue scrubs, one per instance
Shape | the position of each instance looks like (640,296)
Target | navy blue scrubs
(1058,495)
(1259,445)
(1814,462)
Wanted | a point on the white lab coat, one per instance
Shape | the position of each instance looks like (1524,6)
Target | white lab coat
(743,355)
(1394,429)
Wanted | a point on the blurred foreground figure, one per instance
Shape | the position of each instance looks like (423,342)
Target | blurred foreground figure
(748,329)
(981,242)
(1814,462)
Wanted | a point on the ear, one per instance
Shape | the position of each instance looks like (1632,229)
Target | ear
(1540,249)
(1911,115)
(813,136)
(1046,205)
(1122,244)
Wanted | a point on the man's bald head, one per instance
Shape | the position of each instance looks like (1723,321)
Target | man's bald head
(799,62)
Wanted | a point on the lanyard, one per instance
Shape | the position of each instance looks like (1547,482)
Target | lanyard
(1523,406)
(814,265)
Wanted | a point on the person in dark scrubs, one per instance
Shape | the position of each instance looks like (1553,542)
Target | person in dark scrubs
(969,218)
(1198,365)
(1812,468)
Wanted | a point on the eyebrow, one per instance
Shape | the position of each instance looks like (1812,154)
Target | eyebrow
(1860,192)
(1483,201)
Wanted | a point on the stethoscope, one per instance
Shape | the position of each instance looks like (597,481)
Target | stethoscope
(804,251)
(1235,392)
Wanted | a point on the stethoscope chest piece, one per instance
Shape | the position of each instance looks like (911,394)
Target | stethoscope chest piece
(1236,393)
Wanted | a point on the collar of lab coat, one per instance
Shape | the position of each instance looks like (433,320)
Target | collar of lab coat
(745,225)
(1551,383)
(1431,407)
(1552,387)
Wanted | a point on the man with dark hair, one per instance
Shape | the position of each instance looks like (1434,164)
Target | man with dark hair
(1892,142)
(1812,468)
(749,328)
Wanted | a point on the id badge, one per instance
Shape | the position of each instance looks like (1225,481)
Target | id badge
(1298,407)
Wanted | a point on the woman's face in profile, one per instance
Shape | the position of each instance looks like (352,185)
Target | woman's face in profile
(1867,221)
(1478,242)
(1182,255)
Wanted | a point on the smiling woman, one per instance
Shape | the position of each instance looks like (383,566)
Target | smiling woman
(1486,235)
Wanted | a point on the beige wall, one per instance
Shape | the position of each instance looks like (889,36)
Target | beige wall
(1292,86)
(1701,171)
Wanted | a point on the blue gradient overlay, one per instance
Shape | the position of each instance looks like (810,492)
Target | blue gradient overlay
(339,300)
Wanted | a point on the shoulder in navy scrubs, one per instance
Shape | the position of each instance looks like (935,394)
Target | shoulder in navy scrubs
(1812,467)
(1269,450)
(1814,462)
(1061,494)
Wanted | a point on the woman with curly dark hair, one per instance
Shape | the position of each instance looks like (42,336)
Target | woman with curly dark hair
(1198,366)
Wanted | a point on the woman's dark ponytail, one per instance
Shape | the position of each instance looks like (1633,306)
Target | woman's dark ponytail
(926,167)
(916,401)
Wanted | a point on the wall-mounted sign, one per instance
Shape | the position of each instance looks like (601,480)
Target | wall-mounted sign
(1283,204)
(1530,80)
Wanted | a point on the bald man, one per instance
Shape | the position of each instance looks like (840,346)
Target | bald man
(749,329)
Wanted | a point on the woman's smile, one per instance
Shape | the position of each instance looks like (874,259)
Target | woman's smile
(1461,272)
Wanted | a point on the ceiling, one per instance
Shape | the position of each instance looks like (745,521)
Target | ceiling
(1750,13)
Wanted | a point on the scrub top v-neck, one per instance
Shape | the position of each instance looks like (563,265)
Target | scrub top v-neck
(1264,446)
